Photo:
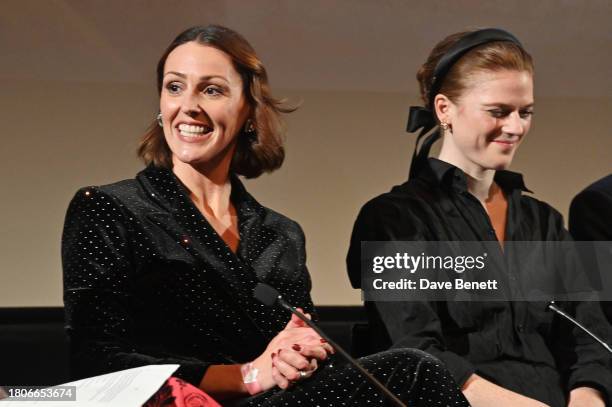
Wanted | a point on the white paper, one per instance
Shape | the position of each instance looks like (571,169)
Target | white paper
(126,388)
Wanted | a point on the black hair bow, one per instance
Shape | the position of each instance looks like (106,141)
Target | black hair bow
(424,119)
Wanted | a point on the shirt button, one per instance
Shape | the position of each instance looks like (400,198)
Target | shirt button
(520,328)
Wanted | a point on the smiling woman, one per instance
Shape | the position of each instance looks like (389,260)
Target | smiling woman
(161,268)
(234,72)
(202,106)
(477,89)
(489,121)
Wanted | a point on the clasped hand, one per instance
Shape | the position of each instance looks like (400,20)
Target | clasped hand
(291,356)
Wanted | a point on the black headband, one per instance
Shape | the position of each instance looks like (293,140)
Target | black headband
(424,117)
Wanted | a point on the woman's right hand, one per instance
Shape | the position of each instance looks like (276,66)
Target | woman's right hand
(295,349)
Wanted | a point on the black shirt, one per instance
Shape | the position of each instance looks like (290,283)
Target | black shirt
(590,218)
(517,345)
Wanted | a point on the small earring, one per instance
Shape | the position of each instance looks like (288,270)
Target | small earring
(249,127)
(446,127)
(159,120)
(250,131)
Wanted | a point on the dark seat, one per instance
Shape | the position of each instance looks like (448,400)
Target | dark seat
(34,349)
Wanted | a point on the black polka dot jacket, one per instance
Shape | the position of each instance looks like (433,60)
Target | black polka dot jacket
(147,280)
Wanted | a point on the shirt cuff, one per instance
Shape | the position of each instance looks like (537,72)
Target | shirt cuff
(192,373)
(459,367)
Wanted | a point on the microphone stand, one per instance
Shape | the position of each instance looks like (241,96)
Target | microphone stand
(552,306)
(337,347)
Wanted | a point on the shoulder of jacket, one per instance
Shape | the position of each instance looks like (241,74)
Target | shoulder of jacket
(403,196)
(281,223)
(117,193)
(121,189)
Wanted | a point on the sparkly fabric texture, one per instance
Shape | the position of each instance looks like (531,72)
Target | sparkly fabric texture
(148,281)
(417,378)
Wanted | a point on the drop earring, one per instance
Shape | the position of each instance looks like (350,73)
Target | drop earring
(249,127)
(250,131)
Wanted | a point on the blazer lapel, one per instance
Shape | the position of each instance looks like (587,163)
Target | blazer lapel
(258,241)
(236,274)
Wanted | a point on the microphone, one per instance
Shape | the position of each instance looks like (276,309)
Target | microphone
(552,306)
(270,296)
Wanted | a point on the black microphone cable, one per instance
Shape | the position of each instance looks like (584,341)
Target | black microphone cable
(269,296)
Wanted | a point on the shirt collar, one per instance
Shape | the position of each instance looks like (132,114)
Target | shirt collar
(447,174)
(169,190)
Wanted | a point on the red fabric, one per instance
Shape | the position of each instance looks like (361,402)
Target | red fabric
(178,393)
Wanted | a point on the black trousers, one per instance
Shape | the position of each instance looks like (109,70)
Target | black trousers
(417,378)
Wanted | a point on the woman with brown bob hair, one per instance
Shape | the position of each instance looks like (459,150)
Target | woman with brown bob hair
(477,93)
(161,268)
(261,147)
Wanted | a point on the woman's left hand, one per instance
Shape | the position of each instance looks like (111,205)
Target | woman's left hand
(299,362)
(585,397)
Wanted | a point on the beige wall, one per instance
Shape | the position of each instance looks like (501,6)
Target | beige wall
(343,148)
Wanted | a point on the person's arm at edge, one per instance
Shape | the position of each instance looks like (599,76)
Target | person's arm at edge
(224,382)
(483,393)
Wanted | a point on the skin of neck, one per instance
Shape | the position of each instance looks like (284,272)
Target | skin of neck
(479,179)
(208,183)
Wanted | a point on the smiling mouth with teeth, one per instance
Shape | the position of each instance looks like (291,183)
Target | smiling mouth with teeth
(189,130)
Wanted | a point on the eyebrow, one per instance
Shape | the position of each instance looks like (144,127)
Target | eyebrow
(201,78)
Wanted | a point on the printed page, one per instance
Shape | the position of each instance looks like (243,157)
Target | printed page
(126,388)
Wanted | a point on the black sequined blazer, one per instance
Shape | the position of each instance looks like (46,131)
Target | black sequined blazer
(147,280)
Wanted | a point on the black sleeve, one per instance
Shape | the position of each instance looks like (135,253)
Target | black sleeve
(98,270)
(380,220)
(409,324)
(590,216)
(306,301)
(584,360)
(417,325)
